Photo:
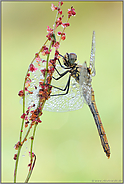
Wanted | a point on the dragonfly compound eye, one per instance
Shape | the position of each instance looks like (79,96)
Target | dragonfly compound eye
(72,57)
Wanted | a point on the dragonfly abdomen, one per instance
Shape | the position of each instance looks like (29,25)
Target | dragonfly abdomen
(99,125)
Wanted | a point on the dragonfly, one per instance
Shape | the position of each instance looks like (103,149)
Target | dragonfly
(78,89)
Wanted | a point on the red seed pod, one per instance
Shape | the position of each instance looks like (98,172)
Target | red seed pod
(21,93)
(23,116)
(15,157)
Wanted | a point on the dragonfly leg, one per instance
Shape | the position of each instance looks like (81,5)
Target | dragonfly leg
(65,89)
(56,69)
(61,75)
(61,64)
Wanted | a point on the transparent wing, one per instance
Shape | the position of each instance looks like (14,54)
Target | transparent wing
(63,103)
(86,77)
(92,56)
(85,83)
(31,96)
(69,102)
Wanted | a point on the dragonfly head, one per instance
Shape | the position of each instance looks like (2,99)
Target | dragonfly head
(69,59)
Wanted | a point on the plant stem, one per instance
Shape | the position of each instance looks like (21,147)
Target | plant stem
(63,31)
(28,177)
(47,63)
(50,46)
(30,171)
(26,134)
(22,125)
(21,131)
(16,164)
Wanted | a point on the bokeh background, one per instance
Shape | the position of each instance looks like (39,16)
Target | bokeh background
(67,144)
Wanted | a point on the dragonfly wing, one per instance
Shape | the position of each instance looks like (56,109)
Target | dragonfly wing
(63,103)
(85,83)
(92,56)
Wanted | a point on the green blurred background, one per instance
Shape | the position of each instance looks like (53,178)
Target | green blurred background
(67,145)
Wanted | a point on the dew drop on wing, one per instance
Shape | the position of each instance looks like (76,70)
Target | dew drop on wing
(85,83)
(69,102)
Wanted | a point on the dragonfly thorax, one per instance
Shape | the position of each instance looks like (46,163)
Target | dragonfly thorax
(69,59)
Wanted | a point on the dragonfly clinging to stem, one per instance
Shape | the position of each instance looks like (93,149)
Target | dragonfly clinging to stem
(77,90)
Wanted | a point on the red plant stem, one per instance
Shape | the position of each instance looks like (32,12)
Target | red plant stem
(29,174)
(63,30)
(21,131)
(35,126)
